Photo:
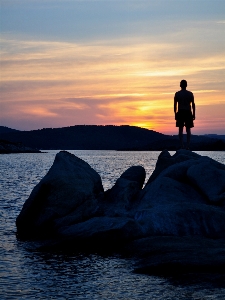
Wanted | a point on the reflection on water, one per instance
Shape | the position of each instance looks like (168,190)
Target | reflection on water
(28,274)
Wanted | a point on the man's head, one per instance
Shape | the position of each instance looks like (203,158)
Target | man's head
(183,84)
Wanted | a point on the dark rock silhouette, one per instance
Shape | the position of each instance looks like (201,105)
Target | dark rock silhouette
(183,203)
(119,200)
(177,201)
(171,255)
(7,147)
(67,194)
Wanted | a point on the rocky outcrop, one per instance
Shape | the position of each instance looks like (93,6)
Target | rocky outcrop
(178,198)
(172,255)
(182,202)
(7,147)
(119,200)
(68,194)
(101,232)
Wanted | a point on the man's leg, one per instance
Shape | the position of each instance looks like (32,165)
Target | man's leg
(188,130)
(181,136)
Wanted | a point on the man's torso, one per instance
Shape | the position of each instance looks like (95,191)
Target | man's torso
(184,99)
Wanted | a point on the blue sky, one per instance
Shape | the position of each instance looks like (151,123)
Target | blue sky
(85,20)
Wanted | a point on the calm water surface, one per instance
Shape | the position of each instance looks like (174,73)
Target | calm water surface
(28,274)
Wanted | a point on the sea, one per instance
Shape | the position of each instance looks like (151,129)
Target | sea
(27,273)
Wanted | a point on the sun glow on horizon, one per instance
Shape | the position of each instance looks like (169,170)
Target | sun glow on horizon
(105,83)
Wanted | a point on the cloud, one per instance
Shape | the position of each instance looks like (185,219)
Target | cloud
(126,77)
(100,64)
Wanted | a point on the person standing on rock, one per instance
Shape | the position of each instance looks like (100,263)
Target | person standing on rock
(184,109)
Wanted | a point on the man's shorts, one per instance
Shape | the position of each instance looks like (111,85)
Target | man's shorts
(184,118)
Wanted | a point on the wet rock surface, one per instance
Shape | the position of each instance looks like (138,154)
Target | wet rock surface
(68,194)
(172,255)
(176,223)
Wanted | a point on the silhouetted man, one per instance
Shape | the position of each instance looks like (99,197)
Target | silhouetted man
(184,109)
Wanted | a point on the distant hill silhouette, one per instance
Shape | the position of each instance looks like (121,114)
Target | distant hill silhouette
(80,137)
(4,129)
(198,143)
(108,137)
(215,136)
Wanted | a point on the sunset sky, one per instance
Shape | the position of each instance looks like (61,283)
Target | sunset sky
(69,62)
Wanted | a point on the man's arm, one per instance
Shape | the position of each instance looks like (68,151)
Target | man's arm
(175,106)
(193,107)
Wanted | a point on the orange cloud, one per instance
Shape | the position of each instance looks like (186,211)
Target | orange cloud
(111,83)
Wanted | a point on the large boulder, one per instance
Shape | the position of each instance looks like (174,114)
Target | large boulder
(177,201)
(120,198)
(69,193)
(175,223)
(209,177)
(101,232)
(165,160)
(136,174)
(171,255)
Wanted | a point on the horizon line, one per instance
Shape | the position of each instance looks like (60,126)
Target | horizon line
(122,125)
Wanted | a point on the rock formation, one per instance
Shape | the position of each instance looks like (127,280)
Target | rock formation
(185,196)
(68,194)
(7,147)
(181,206)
